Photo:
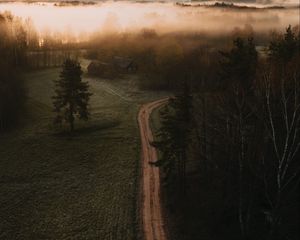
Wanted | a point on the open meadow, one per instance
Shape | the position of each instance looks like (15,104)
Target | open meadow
(57,186)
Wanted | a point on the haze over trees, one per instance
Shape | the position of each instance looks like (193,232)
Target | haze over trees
(12,49)
(23,48)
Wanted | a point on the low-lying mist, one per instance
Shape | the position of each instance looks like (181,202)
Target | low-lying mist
(111,17)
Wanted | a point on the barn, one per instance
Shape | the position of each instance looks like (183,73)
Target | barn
(99,69)
(117,65)
(124,64)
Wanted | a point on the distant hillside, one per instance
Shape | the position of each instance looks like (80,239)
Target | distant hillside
(226,5)
(235,6)
(74,3)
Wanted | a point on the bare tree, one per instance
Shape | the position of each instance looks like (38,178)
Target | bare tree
(283,124)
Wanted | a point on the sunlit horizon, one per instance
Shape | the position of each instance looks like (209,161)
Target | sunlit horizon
(133,16)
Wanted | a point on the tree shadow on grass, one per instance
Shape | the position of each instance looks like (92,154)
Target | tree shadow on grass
(84,129)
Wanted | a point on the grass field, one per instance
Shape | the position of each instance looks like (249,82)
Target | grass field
(54,186)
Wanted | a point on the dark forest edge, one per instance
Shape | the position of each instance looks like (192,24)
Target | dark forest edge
(229,150)
(12,91)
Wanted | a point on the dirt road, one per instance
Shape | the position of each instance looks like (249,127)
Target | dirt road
(153,225)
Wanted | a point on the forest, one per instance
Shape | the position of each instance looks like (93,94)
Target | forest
(230,143)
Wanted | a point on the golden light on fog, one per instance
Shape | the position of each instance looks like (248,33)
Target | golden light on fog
(164,17)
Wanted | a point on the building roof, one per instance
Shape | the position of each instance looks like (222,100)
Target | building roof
(122,62)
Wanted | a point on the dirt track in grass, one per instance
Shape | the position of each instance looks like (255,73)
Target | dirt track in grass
(153,224)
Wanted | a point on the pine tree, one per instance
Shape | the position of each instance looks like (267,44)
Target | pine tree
(238,66)
(174,137)
(238,72)
(284,48)
(71,94)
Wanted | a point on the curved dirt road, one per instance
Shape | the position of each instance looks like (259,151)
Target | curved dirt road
(153,225)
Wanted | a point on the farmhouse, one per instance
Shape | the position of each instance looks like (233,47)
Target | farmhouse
(100,69)
(117,65)
(124,64)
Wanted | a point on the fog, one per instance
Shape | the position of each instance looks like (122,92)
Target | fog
(163,17)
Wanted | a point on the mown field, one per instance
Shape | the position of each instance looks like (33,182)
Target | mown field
(57,186)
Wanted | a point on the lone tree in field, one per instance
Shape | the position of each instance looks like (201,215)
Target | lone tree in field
(71,94)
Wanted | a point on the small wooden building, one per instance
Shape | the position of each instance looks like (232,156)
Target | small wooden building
(99,69)
(124,64)
(118,65)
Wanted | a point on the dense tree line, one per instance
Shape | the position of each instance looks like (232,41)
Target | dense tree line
(235,142)
(23,48)
(163,60)
(12,50)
